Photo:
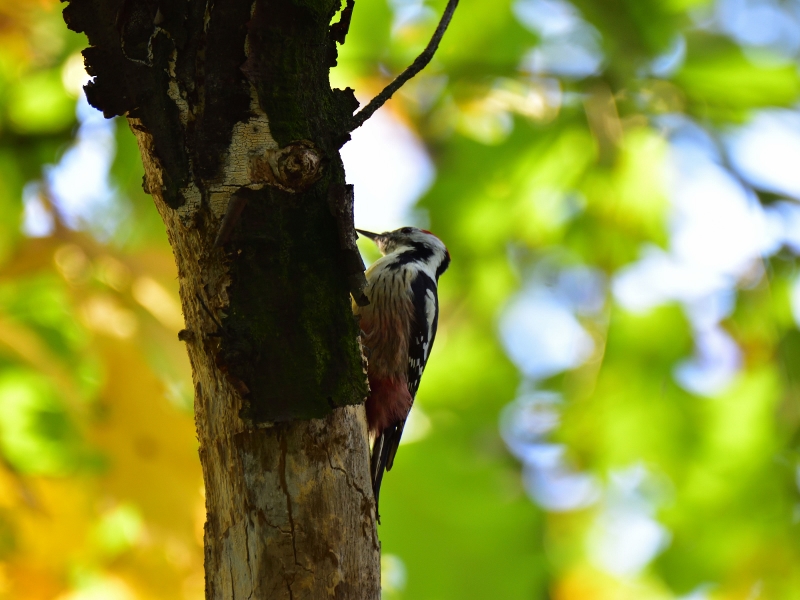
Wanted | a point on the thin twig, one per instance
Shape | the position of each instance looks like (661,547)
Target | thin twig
(420,63)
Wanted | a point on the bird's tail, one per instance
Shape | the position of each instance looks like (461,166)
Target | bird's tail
(383,452)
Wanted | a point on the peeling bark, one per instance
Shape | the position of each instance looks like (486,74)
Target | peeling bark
(232,98)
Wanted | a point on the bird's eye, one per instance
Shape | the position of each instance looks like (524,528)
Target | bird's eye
(406,230)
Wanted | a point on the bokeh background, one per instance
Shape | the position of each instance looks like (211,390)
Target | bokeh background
(612,407)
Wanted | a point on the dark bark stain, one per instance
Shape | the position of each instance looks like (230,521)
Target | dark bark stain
(291,54)
(225,97)
(129,64)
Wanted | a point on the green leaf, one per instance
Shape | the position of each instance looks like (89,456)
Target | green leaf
(721,83)
(39,104)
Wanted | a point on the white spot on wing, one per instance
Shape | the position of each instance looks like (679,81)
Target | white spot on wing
(430,314)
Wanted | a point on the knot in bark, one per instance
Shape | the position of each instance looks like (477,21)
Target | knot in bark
(293,168)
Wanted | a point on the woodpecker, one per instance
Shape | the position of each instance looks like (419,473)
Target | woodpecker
(399,326)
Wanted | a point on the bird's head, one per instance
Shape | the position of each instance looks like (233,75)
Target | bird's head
(416,244)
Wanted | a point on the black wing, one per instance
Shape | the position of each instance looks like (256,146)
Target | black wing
(423,331)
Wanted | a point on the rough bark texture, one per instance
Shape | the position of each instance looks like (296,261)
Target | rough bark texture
(233,98)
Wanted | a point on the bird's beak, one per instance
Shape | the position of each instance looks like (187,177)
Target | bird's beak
(368,234)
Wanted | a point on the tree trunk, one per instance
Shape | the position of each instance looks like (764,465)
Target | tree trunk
(231,100)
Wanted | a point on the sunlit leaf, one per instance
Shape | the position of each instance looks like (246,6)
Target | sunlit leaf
(39,104)
(722,84)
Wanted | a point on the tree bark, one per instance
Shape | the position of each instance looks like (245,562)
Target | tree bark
(231,100)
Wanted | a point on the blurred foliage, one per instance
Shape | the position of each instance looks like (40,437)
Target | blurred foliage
(101,486)
(545,176)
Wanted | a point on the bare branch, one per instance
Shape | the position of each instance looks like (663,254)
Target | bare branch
(420,63)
